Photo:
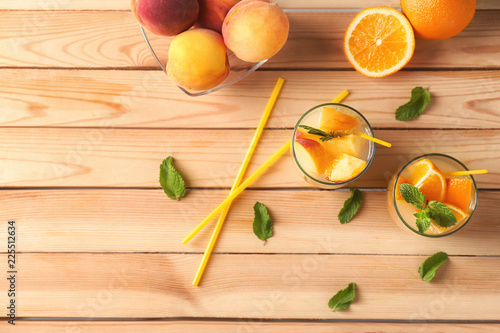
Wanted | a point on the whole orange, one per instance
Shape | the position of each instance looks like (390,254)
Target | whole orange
(438,19)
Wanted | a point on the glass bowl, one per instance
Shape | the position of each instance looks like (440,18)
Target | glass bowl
(399,209)
(311,118)
(240,69)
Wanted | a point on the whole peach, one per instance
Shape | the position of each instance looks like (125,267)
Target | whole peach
(166,17)
(213,12)
(255,30)
(197,59)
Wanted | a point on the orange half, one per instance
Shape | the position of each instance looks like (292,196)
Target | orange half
(379,41)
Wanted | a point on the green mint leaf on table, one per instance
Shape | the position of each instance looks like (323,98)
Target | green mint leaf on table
(412,195)
(420,97)
(442,214)
(324,135)
(423,220)
(343,298)
(262,225)
(351,206)
(428,269)
(171,180)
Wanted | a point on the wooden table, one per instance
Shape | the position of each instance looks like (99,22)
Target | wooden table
(87,117)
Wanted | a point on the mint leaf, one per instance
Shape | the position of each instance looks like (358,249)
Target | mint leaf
(343,298)
(171,180)
(412,195)
(420,97)
(423,220)
(442,214)
(428,269)
(262,225)
(351,206)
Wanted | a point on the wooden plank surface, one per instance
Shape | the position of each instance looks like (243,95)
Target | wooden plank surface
(288,4)
(87,117)
(241,327)
(93,157)
(253,286)
(147,99)
(112,39)
(147,221)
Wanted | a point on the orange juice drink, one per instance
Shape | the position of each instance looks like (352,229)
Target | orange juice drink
(327,148)
(430,174)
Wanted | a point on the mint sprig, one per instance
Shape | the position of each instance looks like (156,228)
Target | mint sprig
(435,210)
(351,206)
(420,97)
(441,214)
(171,180)
(413,195)
(423,220)
(343,298)
(262,224)
(429,267)
(324,136)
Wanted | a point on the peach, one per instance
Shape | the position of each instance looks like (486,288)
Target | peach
(350,144)
(346,167)
(213,12)
(197,59)
(255,30)
(310,155)
(301,133)
(333,120)
(166,17)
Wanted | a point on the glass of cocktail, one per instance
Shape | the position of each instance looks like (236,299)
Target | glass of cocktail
(327,147)
(431,175)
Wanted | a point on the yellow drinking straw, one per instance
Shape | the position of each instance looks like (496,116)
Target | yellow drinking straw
(338,99)
(238,190)
(220,222)
(371,138)
(202,225)
(469,172)
(340,96)
(239,177)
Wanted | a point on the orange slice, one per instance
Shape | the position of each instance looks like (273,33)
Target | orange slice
(379,41)
(429,180)
(401,180)
(458,192)
(459,214)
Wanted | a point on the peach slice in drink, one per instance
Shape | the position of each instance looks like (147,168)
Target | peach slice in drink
(346,167)
(351,144)
(333,120)
(311,154)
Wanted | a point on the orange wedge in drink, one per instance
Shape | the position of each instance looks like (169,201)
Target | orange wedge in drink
(379,41)
(429,180)
(458,192)
(459,214)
